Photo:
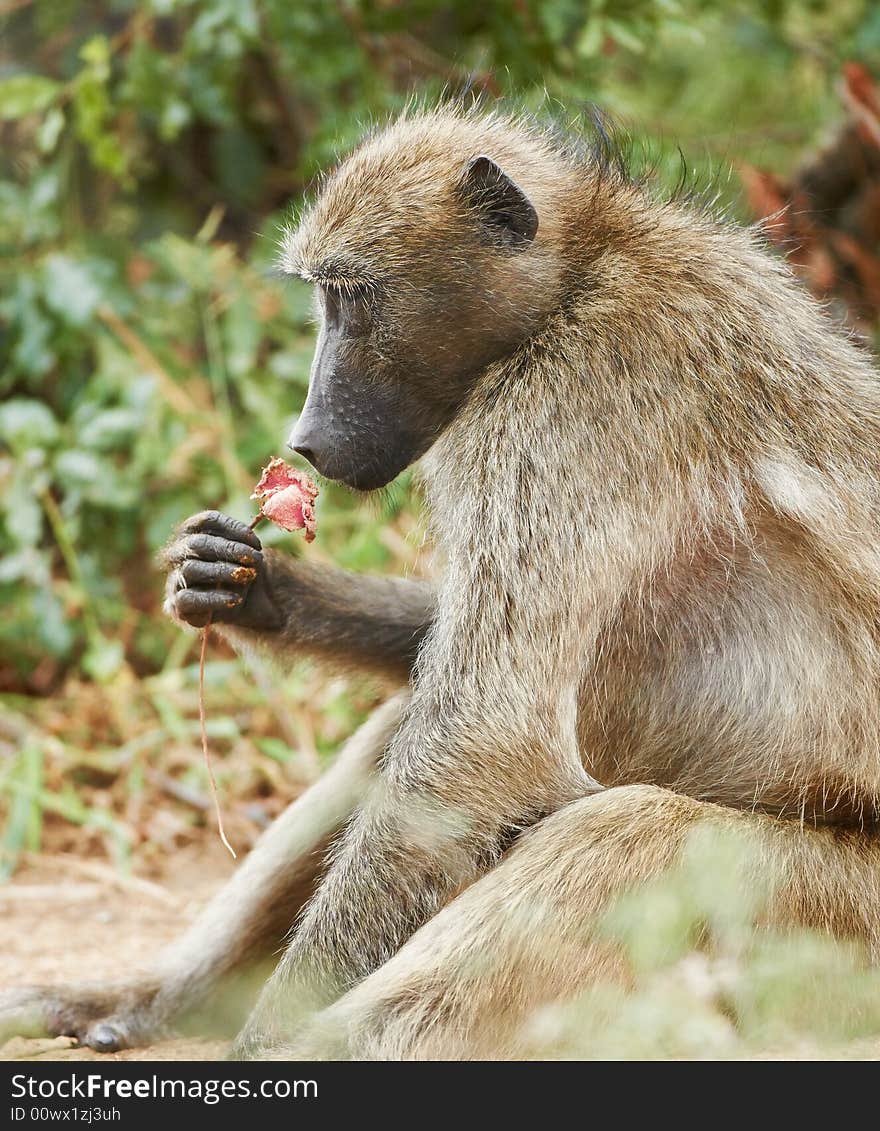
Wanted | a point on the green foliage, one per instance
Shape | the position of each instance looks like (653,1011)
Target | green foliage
(25,94)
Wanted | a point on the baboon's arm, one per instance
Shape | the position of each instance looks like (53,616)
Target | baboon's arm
(218,571)
(375,624)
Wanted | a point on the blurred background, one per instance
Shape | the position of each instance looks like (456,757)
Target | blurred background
(151,361)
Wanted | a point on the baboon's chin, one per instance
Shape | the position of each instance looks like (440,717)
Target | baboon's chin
(366,474)
(378,469)
(367,481)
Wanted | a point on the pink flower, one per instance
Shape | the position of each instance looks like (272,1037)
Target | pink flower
(287,497)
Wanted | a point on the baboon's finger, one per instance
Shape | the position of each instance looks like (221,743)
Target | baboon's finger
(193,572)
(211,548)
(198,606)
(215,522)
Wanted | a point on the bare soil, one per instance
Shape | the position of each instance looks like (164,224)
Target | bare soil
(64,919)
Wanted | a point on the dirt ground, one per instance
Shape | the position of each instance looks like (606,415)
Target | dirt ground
(66,919)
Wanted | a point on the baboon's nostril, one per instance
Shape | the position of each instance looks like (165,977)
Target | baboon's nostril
(305,440)
(305,451)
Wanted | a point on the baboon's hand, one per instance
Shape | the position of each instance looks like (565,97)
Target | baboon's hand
(105,1018)
(217,572)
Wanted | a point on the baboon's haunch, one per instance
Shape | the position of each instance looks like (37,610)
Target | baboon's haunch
(654,470)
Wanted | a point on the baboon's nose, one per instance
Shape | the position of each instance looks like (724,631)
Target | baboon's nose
(306,443)
(305,451)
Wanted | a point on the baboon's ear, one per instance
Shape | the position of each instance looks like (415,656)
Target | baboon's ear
(504,209)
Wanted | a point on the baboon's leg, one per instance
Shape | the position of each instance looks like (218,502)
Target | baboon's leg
(524,935)
(247,920)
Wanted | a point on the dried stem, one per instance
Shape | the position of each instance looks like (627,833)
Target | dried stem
(206,632)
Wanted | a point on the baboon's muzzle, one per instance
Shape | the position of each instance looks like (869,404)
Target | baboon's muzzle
(359,440)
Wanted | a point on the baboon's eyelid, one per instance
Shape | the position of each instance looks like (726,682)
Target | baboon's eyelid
(341,284)
(354,288)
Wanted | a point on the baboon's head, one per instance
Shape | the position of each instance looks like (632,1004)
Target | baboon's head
(431,258)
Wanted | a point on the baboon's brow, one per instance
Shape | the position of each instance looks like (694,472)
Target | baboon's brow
(338,277)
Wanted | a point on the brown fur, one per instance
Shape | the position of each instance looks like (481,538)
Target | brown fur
(658,507)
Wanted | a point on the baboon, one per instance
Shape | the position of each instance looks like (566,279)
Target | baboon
(653,466)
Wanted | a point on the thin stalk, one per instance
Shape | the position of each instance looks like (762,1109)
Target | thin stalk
(71,561)
(203,723)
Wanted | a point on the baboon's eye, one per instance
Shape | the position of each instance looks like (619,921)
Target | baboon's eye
(346,309)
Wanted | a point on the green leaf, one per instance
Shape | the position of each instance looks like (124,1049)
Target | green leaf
(27,423)
(25,94)
(625,36)
(77,468)
(591,38)
(24,823)
(108,430)
(69,289)
(24,514)
(176,115)
(96,52)
(52,627)
(16,567)
(50,130)
(275,748)
(241,332)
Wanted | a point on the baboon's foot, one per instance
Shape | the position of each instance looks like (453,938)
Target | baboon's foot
(106,1018)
